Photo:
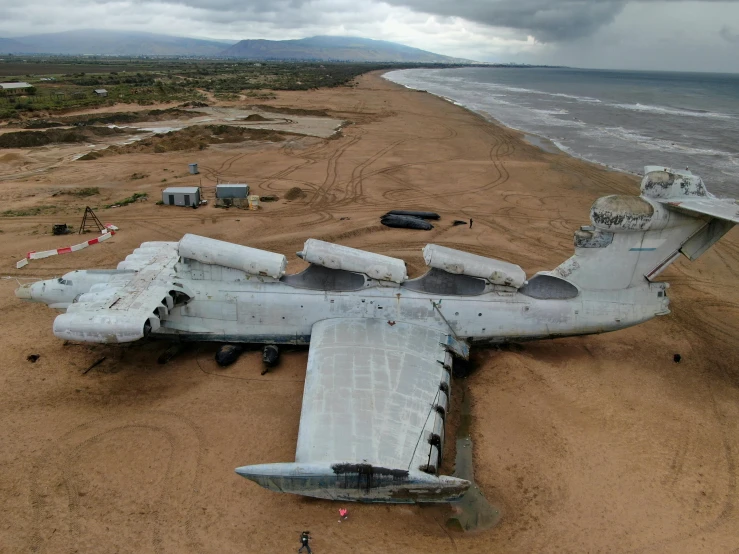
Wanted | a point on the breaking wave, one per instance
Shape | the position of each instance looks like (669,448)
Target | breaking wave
(613,122)
(672,111)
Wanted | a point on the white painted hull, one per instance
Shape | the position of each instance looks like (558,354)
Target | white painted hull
(272,312)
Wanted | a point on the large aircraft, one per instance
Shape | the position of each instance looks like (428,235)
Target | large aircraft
(377,386)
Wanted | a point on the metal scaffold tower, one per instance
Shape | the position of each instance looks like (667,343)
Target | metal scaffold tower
(90,220)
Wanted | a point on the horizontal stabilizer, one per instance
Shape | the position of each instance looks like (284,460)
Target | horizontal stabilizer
(355,482)
(728,209)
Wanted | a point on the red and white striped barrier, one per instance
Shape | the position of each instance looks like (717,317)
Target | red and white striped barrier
(74,248)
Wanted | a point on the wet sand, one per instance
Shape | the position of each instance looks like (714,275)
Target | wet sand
(589,444)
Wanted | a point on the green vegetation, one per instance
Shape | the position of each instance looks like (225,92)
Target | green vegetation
(36,210)
(80,193)
(137,196)
(69,82)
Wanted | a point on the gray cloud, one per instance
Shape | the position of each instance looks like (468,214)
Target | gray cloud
(662,34)
(729,34)
(546,20)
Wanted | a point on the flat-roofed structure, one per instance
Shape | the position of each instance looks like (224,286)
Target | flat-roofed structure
(19,87)
(237,190)
(181,196)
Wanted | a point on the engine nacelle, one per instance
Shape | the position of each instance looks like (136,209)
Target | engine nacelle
(335,256)
(634,213)
(496,272)
(664,182)
(234,256)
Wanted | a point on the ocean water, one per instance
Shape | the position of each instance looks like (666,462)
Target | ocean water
(622,119)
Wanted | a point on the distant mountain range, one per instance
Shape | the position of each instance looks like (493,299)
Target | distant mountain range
(112,43)
(127,43)
(324,48)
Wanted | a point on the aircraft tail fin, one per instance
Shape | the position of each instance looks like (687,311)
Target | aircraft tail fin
(632,238)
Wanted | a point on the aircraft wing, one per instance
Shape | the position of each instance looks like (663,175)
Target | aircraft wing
(130,305)
(372,422)
(728,210)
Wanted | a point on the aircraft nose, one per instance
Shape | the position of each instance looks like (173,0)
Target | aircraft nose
(24,292)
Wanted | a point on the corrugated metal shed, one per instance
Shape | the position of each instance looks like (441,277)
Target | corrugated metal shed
(101,92)
(236,190)
(181,196)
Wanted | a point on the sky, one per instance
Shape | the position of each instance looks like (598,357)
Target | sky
(698,35)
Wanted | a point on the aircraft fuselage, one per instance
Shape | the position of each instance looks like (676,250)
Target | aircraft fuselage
(263,313)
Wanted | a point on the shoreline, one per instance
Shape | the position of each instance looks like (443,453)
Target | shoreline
(560,147)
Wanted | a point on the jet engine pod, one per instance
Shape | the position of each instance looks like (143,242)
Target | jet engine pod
(235,256)
(621,213)
(496,272)
(663,182)
(335,256)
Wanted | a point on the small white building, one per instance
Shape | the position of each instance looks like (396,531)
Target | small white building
(19,87)
(181,196)
(237,190)
(101,92)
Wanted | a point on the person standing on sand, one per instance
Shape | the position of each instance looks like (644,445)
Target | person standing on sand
(304,538)
(470,223)
(343,514)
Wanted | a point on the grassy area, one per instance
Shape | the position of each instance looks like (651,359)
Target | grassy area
(137,196)
(36,210)
(64,83)
(81,193)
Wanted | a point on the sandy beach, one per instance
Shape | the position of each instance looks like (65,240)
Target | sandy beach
(588,444)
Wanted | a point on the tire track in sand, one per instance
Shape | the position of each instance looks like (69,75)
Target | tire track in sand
(321,198)
(58,464)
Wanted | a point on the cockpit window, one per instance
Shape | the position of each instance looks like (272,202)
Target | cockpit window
(65,282)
